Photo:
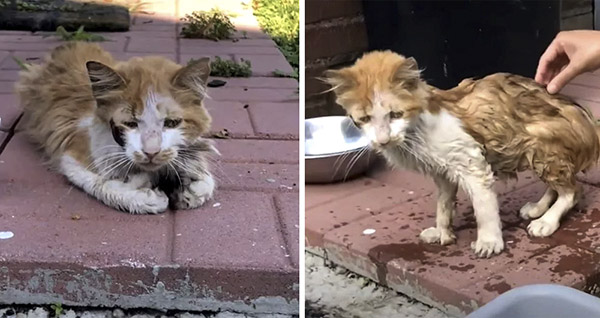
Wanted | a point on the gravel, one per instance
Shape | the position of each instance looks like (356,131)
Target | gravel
(334,292)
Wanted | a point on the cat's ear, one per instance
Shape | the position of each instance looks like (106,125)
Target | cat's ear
(194,76)
(340,80)
(407,74)
(103,78)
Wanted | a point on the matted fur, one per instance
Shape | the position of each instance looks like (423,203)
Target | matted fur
(470,135)
(103,124)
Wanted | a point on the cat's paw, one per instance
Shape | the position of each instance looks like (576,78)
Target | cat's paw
(126,196)
(437,235)
(195,194)
(487,245)
(148,201)
(531,210)
(542,228)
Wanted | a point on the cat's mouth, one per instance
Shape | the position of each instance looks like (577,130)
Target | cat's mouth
(150,166)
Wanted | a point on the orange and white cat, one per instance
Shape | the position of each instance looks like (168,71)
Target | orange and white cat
(127,133)
(470,135)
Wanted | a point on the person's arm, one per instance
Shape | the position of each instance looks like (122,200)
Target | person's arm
(570,54)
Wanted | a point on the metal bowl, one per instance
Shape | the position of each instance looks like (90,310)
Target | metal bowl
(335,150)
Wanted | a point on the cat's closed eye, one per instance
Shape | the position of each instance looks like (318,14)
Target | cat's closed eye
(172,123)
(396,115)
(131,124)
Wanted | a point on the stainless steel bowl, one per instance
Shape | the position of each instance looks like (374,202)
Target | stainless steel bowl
(335,150)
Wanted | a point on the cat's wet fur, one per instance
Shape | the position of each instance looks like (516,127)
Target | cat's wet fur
(469,136)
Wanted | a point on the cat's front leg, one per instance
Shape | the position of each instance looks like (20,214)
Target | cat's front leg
(442,232)
(134,196)
(194,191)
(479,186)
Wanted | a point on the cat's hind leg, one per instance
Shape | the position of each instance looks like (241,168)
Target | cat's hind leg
(442,232)
(134,196)
(533,210)
(550,221)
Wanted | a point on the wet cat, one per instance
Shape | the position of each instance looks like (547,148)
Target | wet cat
(124,132)
(470,135)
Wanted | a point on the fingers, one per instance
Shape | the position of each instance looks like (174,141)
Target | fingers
(566,75)
(547,64)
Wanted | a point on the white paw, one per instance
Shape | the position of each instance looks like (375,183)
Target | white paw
(530,211)
(139,181)
(124,196)
(541,228)
(436,235)
(196,194)
(488,245)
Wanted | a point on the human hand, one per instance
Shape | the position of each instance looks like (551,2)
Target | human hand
(570,54)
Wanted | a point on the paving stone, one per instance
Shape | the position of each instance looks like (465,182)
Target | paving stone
(248,219)
(152,45)
(231,116)
(151,27)
(124,56)
(288,207)
(38,43)
(253,94)
(562,265)
(227,47)
(278,120)
(9,75)
(258,151)
(581,226)
(7,87)
(350,207)
(260,82)
(582,92)
(449,277)
(26,56)
(22,176)
(98,243)
(266,65)
(258,177)
(226,44)
(185,58)
(9,110)
(317,194)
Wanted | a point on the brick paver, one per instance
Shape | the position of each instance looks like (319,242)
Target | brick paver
(398,205)
(239,252)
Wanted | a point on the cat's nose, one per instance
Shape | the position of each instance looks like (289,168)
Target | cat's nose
(150,155)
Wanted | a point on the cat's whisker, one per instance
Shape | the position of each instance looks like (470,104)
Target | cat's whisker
(176,173)
(117,164)
(354,160)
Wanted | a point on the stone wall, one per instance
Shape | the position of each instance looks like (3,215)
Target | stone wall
(335,36)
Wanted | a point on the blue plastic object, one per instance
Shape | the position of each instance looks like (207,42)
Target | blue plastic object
(541,301)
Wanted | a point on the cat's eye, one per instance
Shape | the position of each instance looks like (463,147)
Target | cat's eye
(364,119)
(172,123)
(396,115)
(131,124)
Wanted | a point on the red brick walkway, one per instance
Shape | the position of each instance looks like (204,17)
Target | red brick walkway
(239,252)
(399,204)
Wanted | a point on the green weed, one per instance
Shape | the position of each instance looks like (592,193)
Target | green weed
(213,25)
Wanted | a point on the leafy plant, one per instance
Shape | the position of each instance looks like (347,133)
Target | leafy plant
(213,25)
(228,68)
(281,20)
(58,310)
(79,35)
(22,65)
(294,74)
